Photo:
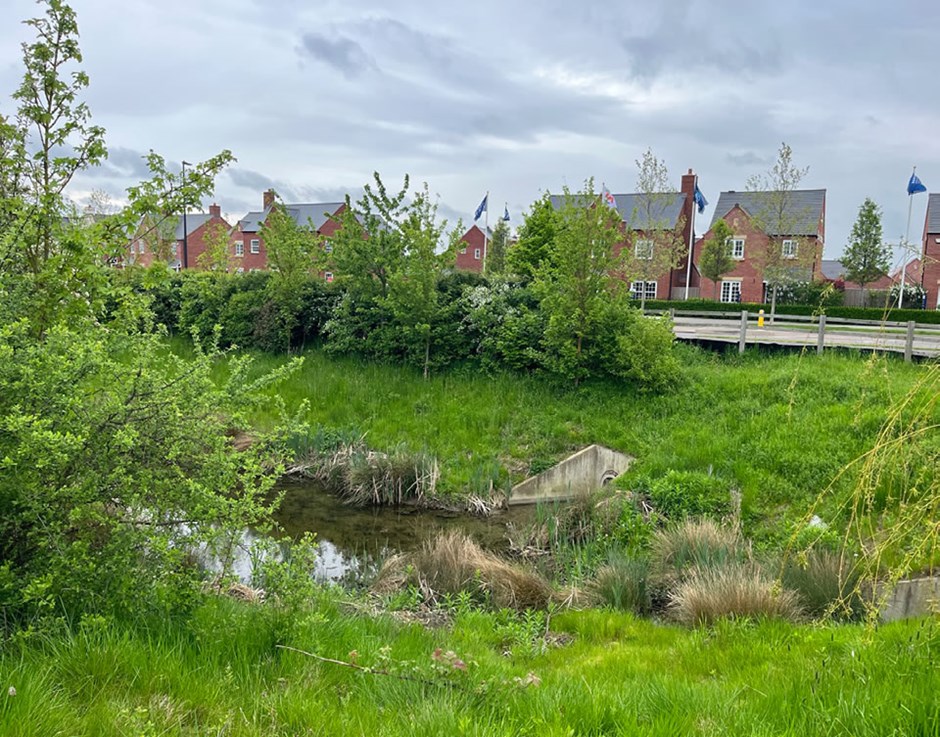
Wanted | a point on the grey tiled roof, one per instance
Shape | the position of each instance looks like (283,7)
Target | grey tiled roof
(804,208)
(194,221)
(303,214)
(933,213)
(832,269)
(664,210)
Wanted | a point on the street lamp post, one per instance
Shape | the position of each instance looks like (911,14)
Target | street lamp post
(185,260)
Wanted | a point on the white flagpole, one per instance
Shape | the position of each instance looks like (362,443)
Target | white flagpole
(486,227)
(688,268)
(910,205)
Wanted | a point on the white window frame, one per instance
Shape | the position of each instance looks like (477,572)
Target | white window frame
(730,287)
(737,247)
(643,249)
(476,253)
(637,286)
(789,248)
(255,246)
(327,247)
(239,249)
(140,247)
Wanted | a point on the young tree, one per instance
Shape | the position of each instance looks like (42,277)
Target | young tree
(576,283)
(867,257)
(716,259)
(498,246)
(778,217)
(218,255)
(656,244)
(533,249)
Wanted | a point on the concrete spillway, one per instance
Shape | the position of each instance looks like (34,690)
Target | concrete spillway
(583,472)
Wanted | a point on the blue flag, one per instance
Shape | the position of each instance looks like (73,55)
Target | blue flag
(700,200)
(506,213)
(607,197)
(915,185)
(482,208)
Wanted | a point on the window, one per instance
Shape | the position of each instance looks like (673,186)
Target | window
(240,270)
(328,276)
(638,288)
(255,245)
(788,249)
(737,247)
(140,247)
(730,291)
(476,253)
(328,247)
(239,248)
(643,250)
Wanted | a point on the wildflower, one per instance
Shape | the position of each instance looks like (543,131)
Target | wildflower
(11,691)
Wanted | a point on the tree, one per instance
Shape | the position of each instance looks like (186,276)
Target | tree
(867,257)
(533,248)
(716,259)
(496,253)
(218,255)
(575,283)
(779,218)
(656,244)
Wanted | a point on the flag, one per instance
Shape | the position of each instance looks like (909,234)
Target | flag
(482,208)
(915,185)
(608,197)
(700,200)
(506,213)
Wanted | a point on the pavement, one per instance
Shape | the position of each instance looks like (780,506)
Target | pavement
(863,337)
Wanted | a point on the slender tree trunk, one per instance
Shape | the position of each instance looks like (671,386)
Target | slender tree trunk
(773,304)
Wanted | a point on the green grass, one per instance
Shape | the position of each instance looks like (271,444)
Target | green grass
(779,428)
(224,675)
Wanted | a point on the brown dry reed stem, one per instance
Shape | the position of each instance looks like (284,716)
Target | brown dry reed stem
(452,563)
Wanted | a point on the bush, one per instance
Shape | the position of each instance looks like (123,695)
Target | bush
(709,594)
(695,544)
(623,583)
(681,494)
(825,582)
(453,564)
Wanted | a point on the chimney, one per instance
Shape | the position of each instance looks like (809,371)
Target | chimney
(215,211)
(268,199)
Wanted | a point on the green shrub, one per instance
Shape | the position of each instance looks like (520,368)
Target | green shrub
(680,494)
(623,583)
(732,591)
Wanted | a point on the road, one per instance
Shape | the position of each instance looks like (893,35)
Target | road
(864,337)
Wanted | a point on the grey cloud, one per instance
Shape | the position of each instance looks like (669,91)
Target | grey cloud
(340,52)
(748,158)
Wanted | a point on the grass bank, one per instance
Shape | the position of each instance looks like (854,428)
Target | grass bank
(778,428)
(597,673)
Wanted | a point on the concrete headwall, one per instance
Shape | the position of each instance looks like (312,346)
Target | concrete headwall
(585,471)
(913,598)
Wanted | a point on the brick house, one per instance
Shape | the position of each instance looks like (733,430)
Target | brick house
(671,211)
(248,243)
(930,256)
(168,237)
(470,257)
(804,211)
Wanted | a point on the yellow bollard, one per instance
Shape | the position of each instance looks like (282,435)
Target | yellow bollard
(760,319)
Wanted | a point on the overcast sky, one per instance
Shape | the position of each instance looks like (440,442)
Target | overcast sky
(511,97)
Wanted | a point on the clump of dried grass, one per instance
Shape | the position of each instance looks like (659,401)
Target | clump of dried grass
(452,563)
(737,591)
(696,544)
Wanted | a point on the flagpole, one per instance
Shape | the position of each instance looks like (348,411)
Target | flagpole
(907,236)
(486,227)
(688,268)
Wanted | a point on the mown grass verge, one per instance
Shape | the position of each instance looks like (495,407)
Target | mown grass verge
(597,672)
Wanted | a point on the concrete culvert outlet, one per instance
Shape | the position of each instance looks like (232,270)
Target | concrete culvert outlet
(583,472)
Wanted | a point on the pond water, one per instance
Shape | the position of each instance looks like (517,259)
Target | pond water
(352,540)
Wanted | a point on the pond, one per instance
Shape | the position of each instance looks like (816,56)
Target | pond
(355,540)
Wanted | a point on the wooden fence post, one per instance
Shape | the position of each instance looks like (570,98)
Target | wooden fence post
(821,339)
(909,343)
(742,341)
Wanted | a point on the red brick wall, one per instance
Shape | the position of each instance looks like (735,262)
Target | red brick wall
(931,267)
(196,242)
(466,258)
